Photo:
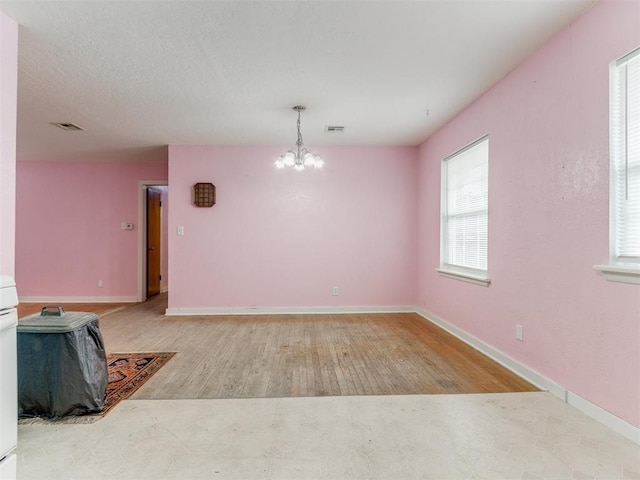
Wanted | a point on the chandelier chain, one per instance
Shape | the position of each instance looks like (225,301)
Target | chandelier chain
(299,142)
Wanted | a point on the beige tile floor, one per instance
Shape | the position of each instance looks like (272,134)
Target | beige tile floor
(492,436)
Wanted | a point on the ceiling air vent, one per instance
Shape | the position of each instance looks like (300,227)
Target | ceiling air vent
(333,128)
(69,127)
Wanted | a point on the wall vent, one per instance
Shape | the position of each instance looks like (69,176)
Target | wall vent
(69,127)
(334,128)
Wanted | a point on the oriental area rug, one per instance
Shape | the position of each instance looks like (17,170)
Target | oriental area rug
(127,373)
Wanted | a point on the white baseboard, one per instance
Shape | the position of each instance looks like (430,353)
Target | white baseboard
(287,310)
(616,424)
(599,414)
(57,300)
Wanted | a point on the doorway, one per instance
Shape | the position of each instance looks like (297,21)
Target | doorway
(154,241)
(152,238)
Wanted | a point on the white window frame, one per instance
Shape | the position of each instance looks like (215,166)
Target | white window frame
(447,269)
(625,269)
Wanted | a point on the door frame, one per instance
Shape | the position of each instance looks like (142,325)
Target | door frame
(142,233)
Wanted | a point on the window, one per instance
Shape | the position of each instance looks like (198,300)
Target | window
(624,138)
(464,205)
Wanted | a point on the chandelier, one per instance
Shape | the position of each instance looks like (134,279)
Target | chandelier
(299,157)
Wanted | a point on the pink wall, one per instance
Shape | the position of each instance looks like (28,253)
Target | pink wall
(548,217)
(68,227)
(283,238)
(8,105)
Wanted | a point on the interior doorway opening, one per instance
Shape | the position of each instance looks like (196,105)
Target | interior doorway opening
(153,201)
(154,241)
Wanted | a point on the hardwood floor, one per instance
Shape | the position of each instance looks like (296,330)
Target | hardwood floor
(301,355)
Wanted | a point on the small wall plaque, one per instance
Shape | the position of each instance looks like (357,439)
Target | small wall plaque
(204,194)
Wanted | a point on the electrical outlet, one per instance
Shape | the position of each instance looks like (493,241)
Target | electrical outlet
(519,333)
(335,291)
(100,284)
(180,230)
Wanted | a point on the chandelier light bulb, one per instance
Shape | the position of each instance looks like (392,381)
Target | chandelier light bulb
(289,159)
(309,160)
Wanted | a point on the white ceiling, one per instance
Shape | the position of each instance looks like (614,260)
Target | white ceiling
(138,75)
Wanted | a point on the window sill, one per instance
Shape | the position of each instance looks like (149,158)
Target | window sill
(464,277)
(616,273)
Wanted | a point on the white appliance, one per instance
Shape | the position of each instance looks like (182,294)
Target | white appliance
(8,378)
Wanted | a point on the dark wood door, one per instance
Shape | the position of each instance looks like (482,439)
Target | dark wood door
(154,240)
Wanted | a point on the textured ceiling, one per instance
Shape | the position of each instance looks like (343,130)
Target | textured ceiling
(138,75)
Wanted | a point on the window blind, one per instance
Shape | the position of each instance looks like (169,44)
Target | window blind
(625,158)
(465,207)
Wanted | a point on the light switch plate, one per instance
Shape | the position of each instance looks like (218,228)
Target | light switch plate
(519,333)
